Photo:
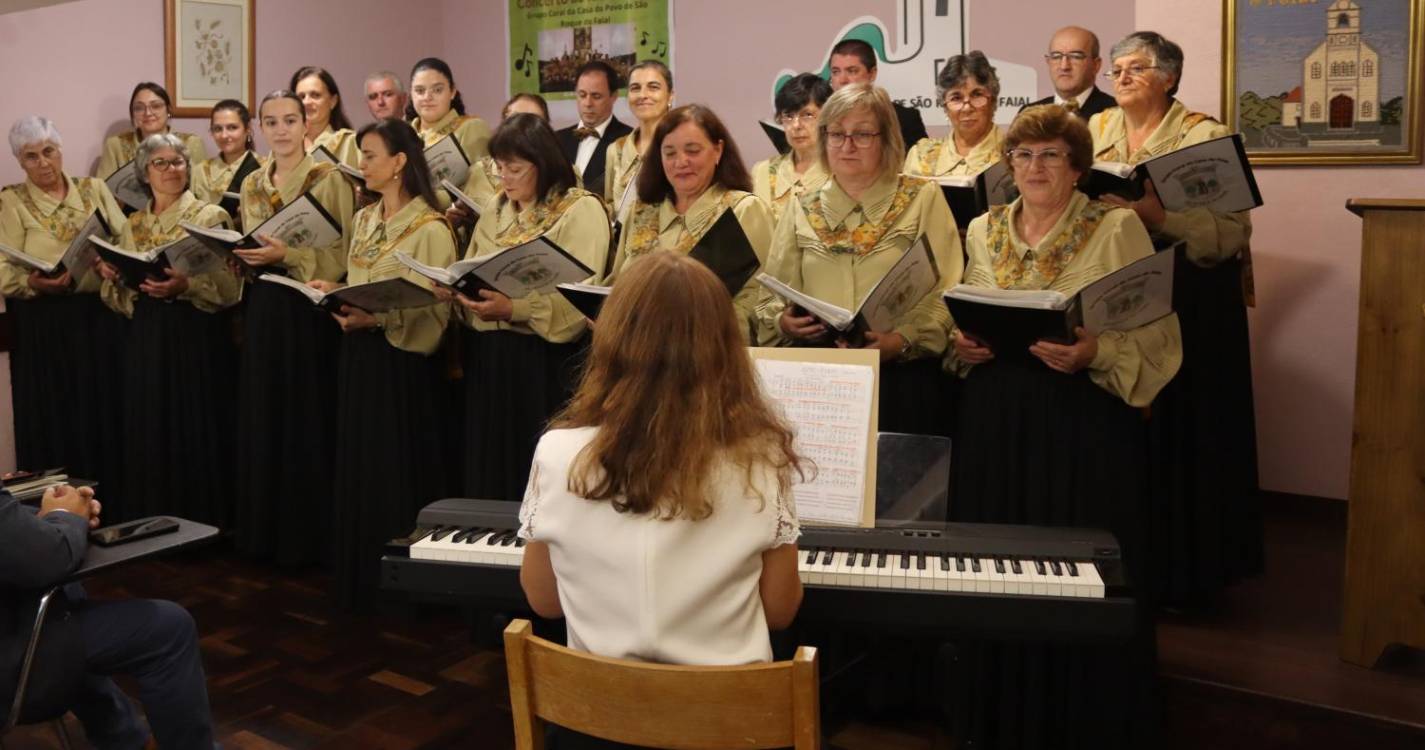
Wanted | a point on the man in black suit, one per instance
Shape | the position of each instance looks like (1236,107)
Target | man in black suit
(1074,63)
(85,641)
(596,87)
(853,61)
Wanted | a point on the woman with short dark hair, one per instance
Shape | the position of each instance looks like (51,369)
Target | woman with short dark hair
(150,108)
(968,89)
(787,176)
(520,353)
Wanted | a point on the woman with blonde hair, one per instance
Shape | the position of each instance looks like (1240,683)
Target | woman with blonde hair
(658,517)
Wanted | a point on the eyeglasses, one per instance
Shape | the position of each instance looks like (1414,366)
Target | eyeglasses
(1133,71)
(1073,57)
(977,101)
(163,165)
(512,171)
(838,138)
(155,107)
(1051,158)
(788,119)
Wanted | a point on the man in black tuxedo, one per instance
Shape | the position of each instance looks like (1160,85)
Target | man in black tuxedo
(853,61)
(84,641)
(586,144)
(1074,63)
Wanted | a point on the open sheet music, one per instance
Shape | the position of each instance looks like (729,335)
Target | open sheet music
(301,223)
(459,196)
(447,161)
(124,184)
(373,297)
(187,256)
(78,257)
(535,267)
(1213,174)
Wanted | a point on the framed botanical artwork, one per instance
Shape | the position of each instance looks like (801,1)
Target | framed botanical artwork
(1325,82)
(209,53)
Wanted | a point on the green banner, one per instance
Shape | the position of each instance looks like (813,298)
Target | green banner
(550,39)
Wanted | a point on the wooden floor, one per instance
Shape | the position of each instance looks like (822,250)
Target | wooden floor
(288,671)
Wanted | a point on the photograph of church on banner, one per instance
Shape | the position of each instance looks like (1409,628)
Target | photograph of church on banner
(1329,82)
(550,41)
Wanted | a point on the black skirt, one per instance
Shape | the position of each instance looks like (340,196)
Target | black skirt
(514,383)
(1033,446)
(286,425)
(916,397)
(179,404)
(66,392)
(1206,518)
(389,455)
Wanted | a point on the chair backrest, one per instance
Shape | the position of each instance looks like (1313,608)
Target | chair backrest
(660,705)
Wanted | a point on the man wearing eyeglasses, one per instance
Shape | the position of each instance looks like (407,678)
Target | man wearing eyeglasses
(1074,63)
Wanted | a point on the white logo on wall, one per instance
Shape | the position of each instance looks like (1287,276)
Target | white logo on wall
(931,31)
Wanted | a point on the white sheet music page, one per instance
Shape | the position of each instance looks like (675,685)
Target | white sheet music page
(829,409)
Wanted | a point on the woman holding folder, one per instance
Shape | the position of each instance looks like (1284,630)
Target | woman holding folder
(231,127)
(520,353)
(149,110)
(1207,522)
(440,112)
(1053,434)
(785,177)
(62,332)
(837,242)
(327,124)
(287,374)
(968,89)
(695,176)
(179,359)
(388,385)
(650,94)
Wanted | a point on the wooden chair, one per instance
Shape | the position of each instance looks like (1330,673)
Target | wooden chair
(658,705)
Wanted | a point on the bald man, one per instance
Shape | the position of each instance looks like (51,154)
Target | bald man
(1074,65)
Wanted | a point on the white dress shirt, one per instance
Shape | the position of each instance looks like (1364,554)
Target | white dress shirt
(589,144)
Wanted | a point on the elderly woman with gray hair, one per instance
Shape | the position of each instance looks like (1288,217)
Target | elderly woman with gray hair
(62,333)
(179,360)
(968,89)
(1206,522)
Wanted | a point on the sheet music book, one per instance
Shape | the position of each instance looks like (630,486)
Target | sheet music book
(625,202)
(126,188)
(78,257)
(586,298)
(725,249)
(901,288)
(458,195)
(447,161)
(829,397)
(971,196)
(353,174)
(188,256)
(1009,321)
(301,223)
(1214,174)
(535,267)
(373,297)
(776,134)
(323,154)
(232,196)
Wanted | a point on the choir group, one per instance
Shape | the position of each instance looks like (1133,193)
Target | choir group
(316,437)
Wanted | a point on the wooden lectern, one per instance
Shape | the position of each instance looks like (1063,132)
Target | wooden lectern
(1385,542)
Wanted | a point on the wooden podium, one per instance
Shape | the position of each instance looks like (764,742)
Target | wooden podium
(1385,542)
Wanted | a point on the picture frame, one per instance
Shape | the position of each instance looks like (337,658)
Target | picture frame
(1334,82)
(209,53)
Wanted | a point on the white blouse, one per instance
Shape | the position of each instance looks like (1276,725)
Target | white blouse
(670,591)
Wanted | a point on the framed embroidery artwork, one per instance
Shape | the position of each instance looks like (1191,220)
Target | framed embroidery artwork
(208,53)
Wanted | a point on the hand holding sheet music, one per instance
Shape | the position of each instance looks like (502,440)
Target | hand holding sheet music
(534,267)
(373,297)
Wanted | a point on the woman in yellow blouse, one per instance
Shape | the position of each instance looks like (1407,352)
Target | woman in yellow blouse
(179,361)
(835,243)
(785,177)
(388,385)
(520,354)
(1054,435)
(440,112)
(149,110)
(1206,507)
(968,89)
(287,376)
(327,124)
(650,94)
(231,127)
(697,176)
(61,329)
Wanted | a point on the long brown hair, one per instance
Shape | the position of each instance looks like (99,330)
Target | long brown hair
(672,391)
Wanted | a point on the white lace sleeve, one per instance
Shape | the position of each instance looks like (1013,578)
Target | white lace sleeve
(788,528)
(530,505)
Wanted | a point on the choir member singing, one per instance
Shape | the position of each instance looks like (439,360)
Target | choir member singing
(231,127)
(968,89)
(784,178)
(1207,524)
(327,124)
(287,376)
(179,363)
(835,243)
(149,110)
(650,94)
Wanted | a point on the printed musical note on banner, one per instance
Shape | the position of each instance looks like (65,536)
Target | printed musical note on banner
(660,49)
(524,62)
(643,42)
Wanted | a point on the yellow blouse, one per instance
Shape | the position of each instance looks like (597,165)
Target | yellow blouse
(420,232)
(342,144)
(776,181)
(937,157)
(211,178)
(661,227)
(483,184)
(209,292)
(471,132)
(836,249)
(1090,241)
(621,164)
(33,222)
(120,149)
(1211,237)
(261,199)
(575,221)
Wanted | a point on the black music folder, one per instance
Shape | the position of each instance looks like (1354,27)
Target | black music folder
(725,249)
(1214,174)
(232,199)
(588,299)
(776,134)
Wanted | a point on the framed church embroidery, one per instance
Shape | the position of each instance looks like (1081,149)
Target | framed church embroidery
(1325,81)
